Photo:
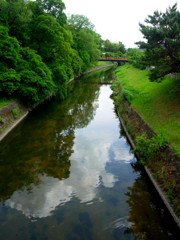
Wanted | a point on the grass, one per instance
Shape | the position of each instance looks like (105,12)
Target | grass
(156,102)
(99,63)
(4,102)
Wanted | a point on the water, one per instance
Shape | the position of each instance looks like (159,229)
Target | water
(67,173)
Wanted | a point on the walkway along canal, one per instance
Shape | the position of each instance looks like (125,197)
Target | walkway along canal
(67,173)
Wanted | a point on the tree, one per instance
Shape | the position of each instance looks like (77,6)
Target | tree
(54,8)
(86,40)
(111,49)
(53,43)
(78,22)
(9,59)
(36,78)
(39,51)
(22,72)
(15,15)
(162,46)
(136,57)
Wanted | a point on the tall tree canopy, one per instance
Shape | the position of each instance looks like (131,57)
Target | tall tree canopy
(53,7)
(40,50)
(111,49)
(86,40)
(162,45)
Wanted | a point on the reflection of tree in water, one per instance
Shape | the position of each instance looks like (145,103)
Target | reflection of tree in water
(44,144)
(144,216)
(100,77)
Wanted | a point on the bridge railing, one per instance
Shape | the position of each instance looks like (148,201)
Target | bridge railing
(115,58)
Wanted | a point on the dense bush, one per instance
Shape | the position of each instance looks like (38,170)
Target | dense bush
(148,148)
(36,78)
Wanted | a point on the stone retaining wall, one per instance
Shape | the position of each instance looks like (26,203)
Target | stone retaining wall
(8,119)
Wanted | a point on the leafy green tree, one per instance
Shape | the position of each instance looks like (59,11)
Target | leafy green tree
(53,43)
(111,49)
(9,59)
(76,63)
(78,22)
(53,7)
(39,51)
(122,48)
(136,57)
(162,46)
(15,15)
(22,72)
(86,40)
(36,78)
(47,37)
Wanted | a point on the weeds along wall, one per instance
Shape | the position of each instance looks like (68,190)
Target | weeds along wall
(154,150)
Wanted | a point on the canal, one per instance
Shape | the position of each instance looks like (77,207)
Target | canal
(67,173)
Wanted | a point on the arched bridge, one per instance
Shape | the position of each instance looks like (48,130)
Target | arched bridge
(115,59)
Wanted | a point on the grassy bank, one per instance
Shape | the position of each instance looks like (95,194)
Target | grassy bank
(137,99)
(4,102)
(157,103)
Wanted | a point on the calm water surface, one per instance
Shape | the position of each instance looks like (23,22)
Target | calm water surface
(67,173)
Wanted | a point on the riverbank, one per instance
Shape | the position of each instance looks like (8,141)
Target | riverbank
(136,102)
(10,116)
(13,112)
(93,69)
(71,158)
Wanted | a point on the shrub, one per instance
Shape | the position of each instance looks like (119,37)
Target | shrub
(9,82)
(2,120)
(148,148)
(15,112)
(36,79)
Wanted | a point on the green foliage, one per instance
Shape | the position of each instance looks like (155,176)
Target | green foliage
(53,7)
(136,57)
(9,50)
(148,148)
(111,49)
(170,192)
(78,22)
(156,102)
(16,16)
(117,100)
(9,59)
(59,74)
(4,102)
(86,40)
(162,46)
(40,51)
(36,80)
(2,120)
(62,92)
(76,63)
(22,73)
(9,82)
(129,93)
(15,112)
(47,37)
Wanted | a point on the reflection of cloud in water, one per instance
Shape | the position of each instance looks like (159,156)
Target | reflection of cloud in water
(88,167)
(43,198)
(121,151)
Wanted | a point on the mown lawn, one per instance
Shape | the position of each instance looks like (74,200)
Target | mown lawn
(157,102)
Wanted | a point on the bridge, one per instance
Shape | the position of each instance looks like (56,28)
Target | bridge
(119,60)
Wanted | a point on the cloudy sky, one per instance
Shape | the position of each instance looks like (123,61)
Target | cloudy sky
(118,20)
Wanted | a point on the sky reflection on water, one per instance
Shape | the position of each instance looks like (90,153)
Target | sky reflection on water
(88,166)
(67,172)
